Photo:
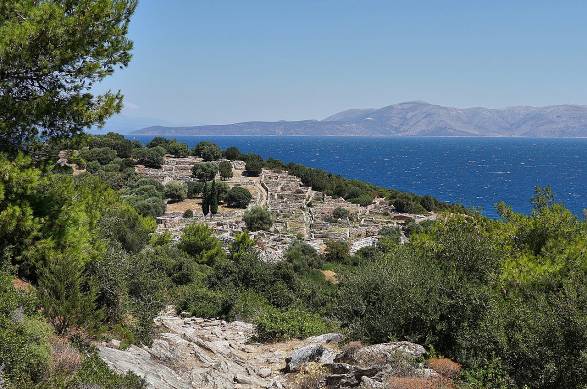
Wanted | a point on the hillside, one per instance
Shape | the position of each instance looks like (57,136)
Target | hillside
(412,119)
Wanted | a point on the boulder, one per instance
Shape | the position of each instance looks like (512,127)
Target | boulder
(385,353)
(303,355)
(332,337)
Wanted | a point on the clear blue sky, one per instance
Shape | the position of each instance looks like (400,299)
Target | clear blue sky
(217,61)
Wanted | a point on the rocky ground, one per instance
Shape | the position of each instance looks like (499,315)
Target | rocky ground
(207,353)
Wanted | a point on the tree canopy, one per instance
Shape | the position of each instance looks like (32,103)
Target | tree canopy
(52,55)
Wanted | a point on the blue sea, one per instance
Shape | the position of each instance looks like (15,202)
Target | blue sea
(476,172)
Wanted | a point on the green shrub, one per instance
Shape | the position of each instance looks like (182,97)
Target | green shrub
(363,199)
(124,225)
(93,167)
(275,325)
(25,352)
(303,257)
(195,188)
(232,153)
(103,155)
(66,300)
(95,373)
(207,151)
(248,305)
(198,240)
(238,197)
(176,191)
(254,167)
(336,251)
(225,169)
(152,206)
(205,171)
(177,149)
(150,157)
(340,213)
(258,218)
(408,206)
(202,302)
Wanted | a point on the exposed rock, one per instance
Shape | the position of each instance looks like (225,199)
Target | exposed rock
(205,353)
(198,353)
(303,355)
(385,353)
(369,383)
(325,338)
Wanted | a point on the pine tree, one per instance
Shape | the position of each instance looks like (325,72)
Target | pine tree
(205,200)
(213,199)
(66,300)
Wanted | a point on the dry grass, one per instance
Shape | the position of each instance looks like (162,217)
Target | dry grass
(330,276)
(65,358)
(19,284)
(445,367)
(348,352)
(310,377)
(418,383)
(182,206)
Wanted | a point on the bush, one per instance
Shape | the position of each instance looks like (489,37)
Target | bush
(152,206)
(276,325)
(150,157)
(188,213)
(363,199)
(248,306)
(103,155)
(93,167)
(198,240)
(207,151)
(254,167)
(202,302)
(24,337)
(258,218)
(204,171)
(225,169)
(337,251)
(340,213)
(117,142)
(232,153)
(195,188)
(408,206)
(66,300)
(238,197)
(176,191)
(124,225)
(94,373)
(177,149)
(303,257)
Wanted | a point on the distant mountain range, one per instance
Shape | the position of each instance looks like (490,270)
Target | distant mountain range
(412,119)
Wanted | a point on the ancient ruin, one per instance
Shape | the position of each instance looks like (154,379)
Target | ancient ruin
(299,212)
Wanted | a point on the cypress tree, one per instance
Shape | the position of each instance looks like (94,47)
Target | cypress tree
(213,199)
(205,200)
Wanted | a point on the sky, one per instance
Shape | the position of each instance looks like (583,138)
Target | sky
(217,61)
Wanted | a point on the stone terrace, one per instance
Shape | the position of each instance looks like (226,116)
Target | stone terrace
(298,211)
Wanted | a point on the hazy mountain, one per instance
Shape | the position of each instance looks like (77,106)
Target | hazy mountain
(413,119)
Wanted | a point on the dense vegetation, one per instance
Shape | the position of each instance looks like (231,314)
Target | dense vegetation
(79,259)
(507,298)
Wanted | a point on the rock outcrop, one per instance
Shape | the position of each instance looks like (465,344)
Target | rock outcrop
(208,353)
(203,353)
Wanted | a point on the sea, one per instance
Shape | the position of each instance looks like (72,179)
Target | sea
(475,172)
